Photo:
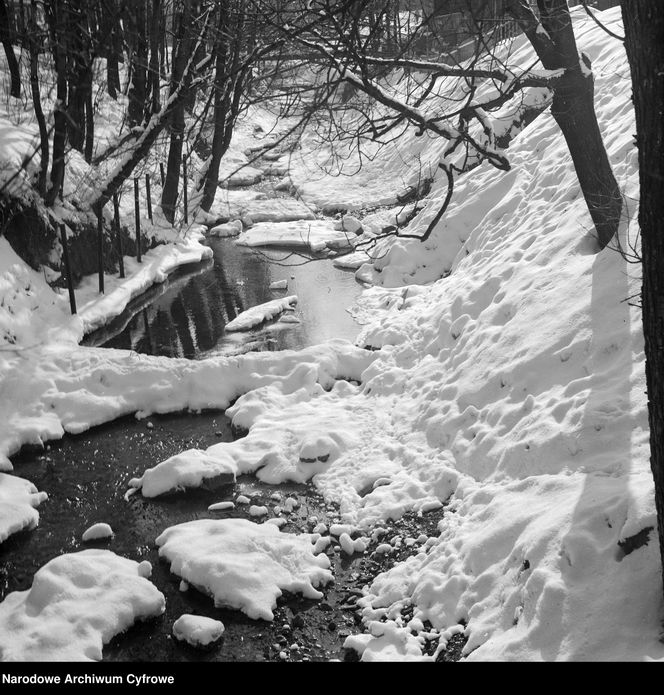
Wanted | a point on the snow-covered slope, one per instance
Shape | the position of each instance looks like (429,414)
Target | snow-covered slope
(526,367)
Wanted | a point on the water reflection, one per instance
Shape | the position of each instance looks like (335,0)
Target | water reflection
(186,316)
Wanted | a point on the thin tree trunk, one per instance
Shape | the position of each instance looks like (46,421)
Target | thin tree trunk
(53,12)
(111,22)
(153,72)
(221,108)
(139,64)
(36,101)
(644,43)
(6,39)
(179,79)
(89,121)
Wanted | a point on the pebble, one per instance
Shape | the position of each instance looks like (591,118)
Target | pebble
(149,425)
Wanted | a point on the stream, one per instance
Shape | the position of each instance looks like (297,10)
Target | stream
(86,475)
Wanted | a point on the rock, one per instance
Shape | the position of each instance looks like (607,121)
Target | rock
(229,229)
(97,532)
(197,630)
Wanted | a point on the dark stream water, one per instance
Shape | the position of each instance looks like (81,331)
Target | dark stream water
(186,316)
(86,477)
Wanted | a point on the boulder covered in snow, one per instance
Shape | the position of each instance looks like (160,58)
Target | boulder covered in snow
(244,565)
(197,630)
(97,532)
(77,603)
(228,229)
(261,313)
(190,468)
(349,223)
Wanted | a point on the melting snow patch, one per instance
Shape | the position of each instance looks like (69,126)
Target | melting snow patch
(244,565)
(197,630)
(76,604)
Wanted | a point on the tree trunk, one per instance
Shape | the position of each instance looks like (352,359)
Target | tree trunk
(33,41)
(111,21)
(6,38)
(139,65)
(179,80)
(644,43)
(221,88)
(53,14)
(574,109)
(153,72)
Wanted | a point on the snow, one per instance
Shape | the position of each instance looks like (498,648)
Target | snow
(510,383)
(259,209)
(185,470)
(97,532)
(261,313)
(77,603)
(197,630)
(387,642)
(316,235)
(507,380)
(18,501)
(226,230)
(244,565)
(221,506)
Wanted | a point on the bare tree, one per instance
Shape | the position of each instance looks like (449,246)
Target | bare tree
(351,43)
(644,34)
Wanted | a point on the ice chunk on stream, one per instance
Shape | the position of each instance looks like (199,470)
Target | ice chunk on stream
(261,313)
(316,235)
(244,565)
(77,603)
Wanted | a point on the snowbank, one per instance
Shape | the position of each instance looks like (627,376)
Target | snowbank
(77,603)
(244,565)
(18,501)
